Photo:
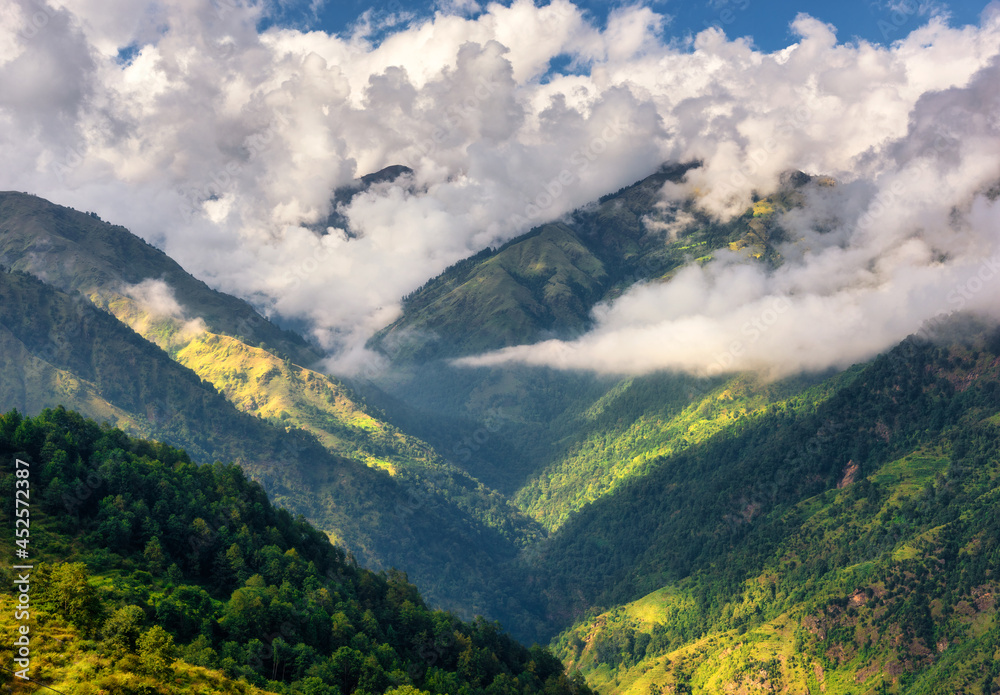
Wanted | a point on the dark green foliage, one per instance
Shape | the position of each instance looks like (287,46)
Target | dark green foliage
(259,593)
(730,492)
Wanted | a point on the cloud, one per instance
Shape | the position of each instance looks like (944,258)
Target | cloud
(868,263)
(223,145)
(156,298)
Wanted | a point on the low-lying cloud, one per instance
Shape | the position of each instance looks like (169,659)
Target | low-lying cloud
(223,146)
(914,237)
(155,298)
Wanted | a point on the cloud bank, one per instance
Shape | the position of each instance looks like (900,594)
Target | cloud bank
(910,237)
(223,145)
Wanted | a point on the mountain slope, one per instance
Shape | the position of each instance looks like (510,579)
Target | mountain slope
(718,507)
(641,421)
(428,516)
(422,526)
(545,282)
(883,585)
(167,577)
(77,252)
(293,397)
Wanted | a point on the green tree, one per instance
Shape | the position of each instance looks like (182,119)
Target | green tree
(156,559)
(121,631)
(77,599)
(156,651)
(406,690)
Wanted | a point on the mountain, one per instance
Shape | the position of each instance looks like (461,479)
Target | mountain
(540,285)
(79,253)
(386,497)
(154,575)
(545,282)
(795,535)
(826,532)
(343,196)
(880,578)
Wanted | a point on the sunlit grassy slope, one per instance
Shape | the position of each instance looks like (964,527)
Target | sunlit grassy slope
(878,587)
(847,541)
(644,419)
(257,382)
(294,398)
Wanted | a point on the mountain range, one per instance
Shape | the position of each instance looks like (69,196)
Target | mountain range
(827,532)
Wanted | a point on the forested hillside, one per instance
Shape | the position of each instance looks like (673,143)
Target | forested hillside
(155,575)
(886,584)
(445,529)
(544,283)
(849,531)
(62,352)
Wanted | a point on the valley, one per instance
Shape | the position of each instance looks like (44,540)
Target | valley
(783,520)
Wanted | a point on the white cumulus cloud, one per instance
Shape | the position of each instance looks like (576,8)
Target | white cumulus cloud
(224,145)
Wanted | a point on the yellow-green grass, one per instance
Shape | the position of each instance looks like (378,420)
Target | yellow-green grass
(606,459)
(63,659)
(258,382)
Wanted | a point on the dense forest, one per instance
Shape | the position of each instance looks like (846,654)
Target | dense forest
(154,574)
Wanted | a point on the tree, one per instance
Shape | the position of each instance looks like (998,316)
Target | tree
(121,631)
(77,599)
(406,689)
(345,666)
(156,651)
(155,557)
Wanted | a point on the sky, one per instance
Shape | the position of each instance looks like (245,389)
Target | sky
(219,130)
(767,23)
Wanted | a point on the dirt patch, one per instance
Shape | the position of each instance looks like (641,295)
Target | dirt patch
(849,475)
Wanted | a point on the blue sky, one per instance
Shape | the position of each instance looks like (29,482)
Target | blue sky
(878,21)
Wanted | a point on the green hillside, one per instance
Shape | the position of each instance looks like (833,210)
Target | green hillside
(639,422)
(545,282)
(884,585)
(824,533)
(234,352)
(444,528)
(154,575)
(79,253)
(219,337)
(845,538)
(695,505)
